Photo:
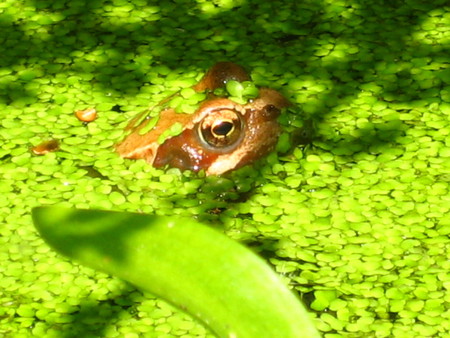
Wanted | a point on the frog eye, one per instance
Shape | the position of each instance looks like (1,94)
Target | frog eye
(221,128)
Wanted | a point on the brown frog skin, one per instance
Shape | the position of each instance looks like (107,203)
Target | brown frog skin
(221,135)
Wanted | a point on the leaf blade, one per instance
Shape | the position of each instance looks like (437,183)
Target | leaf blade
(194,267)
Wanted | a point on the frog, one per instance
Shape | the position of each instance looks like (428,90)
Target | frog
(221,135)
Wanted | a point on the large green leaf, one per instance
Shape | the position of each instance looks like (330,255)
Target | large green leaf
(233,291)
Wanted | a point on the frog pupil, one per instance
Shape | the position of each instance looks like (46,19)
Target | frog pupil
(222,129)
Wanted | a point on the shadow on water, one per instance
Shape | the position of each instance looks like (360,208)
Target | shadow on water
(162,32)
(93,317)
(87,39)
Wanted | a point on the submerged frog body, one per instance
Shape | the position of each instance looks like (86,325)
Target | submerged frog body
(221,135)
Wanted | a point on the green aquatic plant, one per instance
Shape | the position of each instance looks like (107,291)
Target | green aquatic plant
(241,92)
(217,280)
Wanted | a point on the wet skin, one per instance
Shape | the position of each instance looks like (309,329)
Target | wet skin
(221,135)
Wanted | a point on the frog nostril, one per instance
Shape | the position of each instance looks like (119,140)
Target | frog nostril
(270,112)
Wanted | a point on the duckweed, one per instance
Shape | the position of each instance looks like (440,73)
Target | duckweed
(357,222)
(174,130)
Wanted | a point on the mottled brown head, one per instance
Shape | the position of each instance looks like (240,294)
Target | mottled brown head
(220,136)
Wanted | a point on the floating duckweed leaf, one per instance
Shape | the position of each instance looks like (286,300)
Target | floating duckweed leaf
(220,91)
(187,102)
(241,92)
(149,126)
(197,98)
(284,143)
(239,100)
(250,91)
(193,266)
(187,108)
(186,93)
(174,130)
(175,102)
(234,88)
